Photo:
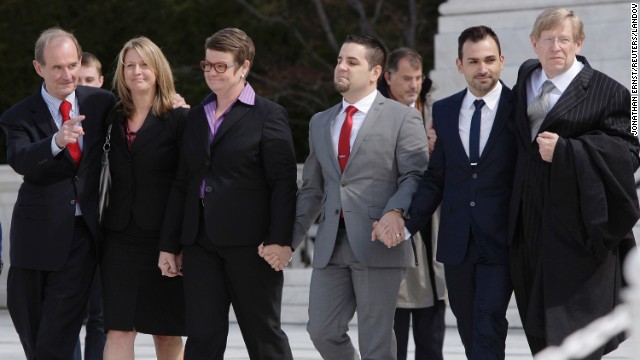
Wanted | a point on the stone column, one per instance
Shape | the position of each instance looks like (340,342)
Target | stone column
(606,46)
(9,184)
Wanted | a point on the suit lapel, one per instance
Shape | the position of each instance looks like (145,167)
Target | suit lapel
(573,96)
(370,119)
(326,139)
(505,107)
(43,119)
(452,125)
(149,130)
(238,111)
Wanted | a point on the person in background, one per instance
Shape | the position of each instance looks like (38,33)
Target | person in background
(90,74)
(422,291)
(574,201)
(233,201)
(54,140)
(145,143)
(366,156)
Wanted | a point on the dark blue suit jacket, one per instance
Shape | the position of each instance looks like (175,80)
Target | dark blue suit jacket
(474,199)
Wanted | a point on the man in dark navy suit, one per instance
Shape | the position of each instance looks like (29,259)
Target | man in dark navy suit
(54,140)
(471,172)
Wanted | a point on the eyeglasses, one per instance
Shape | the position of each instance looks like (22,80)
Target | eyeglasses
(219,67)
(562,42)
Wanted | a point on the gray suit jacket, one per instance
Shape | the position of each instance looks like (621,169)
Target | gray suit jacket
(384,168)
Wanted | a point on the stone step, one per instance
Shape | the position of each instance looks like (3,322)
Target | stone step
(295,301)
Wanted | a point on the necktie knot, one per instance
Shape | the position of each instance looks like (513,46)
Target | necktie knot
(350,110)
(547,87)
(65,109)
(479,103)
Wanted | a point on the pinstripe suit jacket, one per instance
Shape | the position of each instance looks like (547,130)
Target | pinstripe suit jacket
(574,227)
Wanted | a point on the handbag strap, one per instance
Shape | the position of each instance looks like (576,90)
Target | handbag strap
(107,140)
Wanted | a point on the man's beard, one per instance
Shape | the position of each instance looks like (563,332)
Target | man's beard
(341,87)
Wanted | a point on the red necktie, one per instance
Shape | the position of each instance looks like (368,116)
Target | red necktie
(74,148)
(344,148)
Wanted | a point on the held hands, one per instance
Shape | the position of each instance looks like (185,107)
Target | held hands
(170,264)
(431,135)
(277,256)
(547,144)
(69,132)
(389,230)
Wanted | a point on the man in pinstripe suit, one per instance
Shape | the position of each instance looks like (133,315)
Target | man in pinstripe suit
(574,201)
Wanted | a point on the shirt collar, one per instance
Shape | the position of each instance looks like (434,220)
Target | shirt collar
(561,82)
(247,96)
(364,104)
(490,99)
(53,102)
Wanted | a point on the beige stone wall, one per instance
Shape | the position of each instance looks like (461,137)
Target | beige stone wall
(607,29)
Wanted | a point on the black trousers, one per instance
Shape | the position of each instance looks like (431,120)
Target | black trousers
(428,331)
(216,277)
(47,307)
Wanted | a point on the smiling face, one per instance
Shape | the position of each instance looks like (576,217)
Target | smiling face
(352,76)
(232,79)
(60,67)
(481,65)
(557,48)
(138,75)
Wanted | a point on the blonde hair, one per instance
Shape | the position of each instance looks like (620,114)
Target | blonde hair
(157,62)
(89,60)
(550,18)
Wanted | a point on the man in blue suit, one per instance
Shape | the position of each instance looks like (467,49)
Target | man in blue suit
(471,173)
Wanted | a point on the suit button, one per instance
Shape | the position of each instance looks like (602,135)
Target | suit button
(473,203)
(207,163)
(76,178)
(72,202)
(475,176)
(343,184)
(208,189)
(337,211)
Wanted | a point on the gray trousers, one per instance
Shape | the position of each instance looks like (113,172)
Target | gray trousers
(340,288)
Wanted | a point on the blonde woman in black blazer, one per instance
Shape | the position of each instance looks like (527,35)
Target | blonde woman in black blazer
(143,159)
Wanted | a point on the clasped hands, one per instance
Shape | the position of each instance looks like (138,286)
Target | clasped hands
(277,256)
(389,230)
(170,264)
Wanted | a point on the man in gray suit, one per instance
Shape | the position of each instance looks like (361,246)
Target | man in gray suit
(357,174)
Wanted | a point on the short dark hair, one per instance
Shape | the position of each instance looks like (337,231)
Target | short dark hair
(233,41)
(376,52)
(394,57)
(476,34)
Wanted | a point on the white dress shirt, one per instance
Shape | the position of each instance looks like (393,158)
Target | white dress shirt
(363,107)
(561,83)
(488,115)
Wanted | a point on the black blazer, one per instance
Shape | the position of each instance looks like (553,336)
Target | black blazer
(250,175)
(592,102)
(44,214)
(577,212)
(141,178)
(474,199)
